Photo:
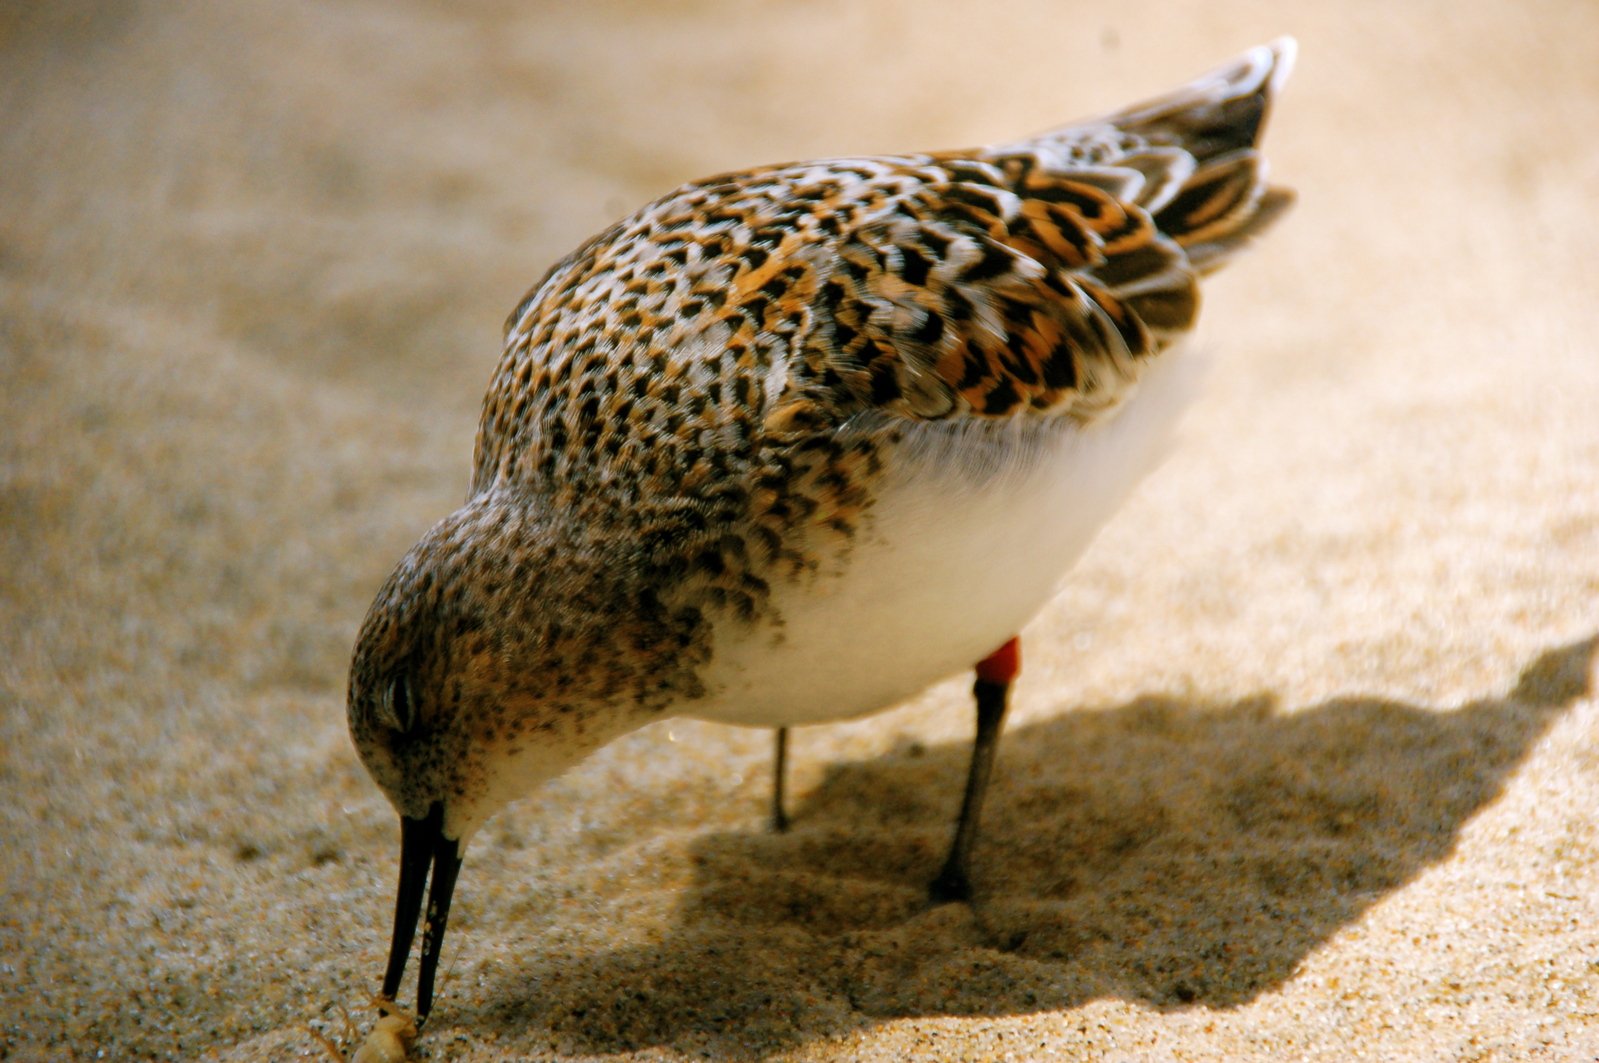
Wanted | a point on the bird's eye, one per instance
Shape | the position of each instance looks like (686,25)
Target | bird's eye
(399,706)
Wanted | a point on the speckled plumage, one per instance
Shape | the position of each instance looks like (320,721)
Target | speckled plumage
(784,404)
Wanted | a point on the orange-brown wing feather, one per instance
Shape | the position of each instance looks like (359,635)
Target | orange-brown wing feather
(1040,275)
(985,298)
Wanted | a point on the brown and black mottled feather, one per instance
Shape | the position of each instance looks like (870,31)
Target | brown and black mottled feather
(1033,276)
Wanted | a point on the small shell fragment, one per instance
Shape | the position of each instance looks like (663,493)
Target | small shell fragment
(390,1040)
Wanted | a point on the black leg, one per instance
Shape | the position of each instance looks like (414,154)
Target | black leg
(993,694)
(779,780)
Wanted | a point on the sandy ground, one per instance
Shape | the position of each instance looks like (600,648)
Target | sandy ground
(1304,762)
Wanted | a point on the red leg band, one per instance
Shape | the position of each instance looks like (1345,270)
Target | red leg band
(1003,665)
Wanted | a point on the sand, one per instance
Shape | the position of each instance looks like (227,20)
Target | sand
(1303,763)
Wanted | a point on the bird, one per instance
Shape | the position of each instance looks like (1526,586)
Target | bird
(789,445)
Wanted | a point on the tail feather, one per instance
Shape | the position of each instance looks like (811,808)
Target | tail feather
(1221,241)
(1164,169)
(1190,159)
(1042,274)
(1217,121)
(1222,112)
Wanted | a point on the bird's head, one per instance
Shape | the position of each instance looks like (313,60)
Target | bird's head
(467,689)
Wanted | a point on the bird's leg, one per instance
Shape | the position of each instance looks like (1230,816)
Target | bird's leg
(779,780)
(992,690)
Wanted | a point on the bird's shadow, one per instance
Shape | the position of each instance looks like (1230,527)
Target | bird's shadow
(1165,851)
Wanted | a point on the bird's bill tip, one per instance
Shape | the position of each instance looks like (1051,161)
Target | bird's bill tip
(423,848)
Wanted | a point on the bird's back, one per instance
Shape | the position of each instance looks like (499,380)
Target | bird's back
(713,388)
(1031,276)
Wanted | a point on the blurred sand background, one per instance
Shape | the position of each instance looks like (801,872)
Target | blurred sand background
(1304,762)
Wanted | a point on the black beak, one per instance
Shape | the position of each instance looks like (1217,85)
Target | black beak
(422,845)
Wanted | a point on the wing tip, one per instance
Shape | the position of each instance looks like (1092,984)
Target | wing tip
(1284,53)
(1222,110)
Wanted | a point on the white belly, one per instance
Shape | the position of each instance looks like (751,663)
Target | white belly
(971,534)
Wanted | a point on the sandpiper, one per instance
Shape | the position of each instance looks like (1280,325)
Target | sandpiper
(790,445)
